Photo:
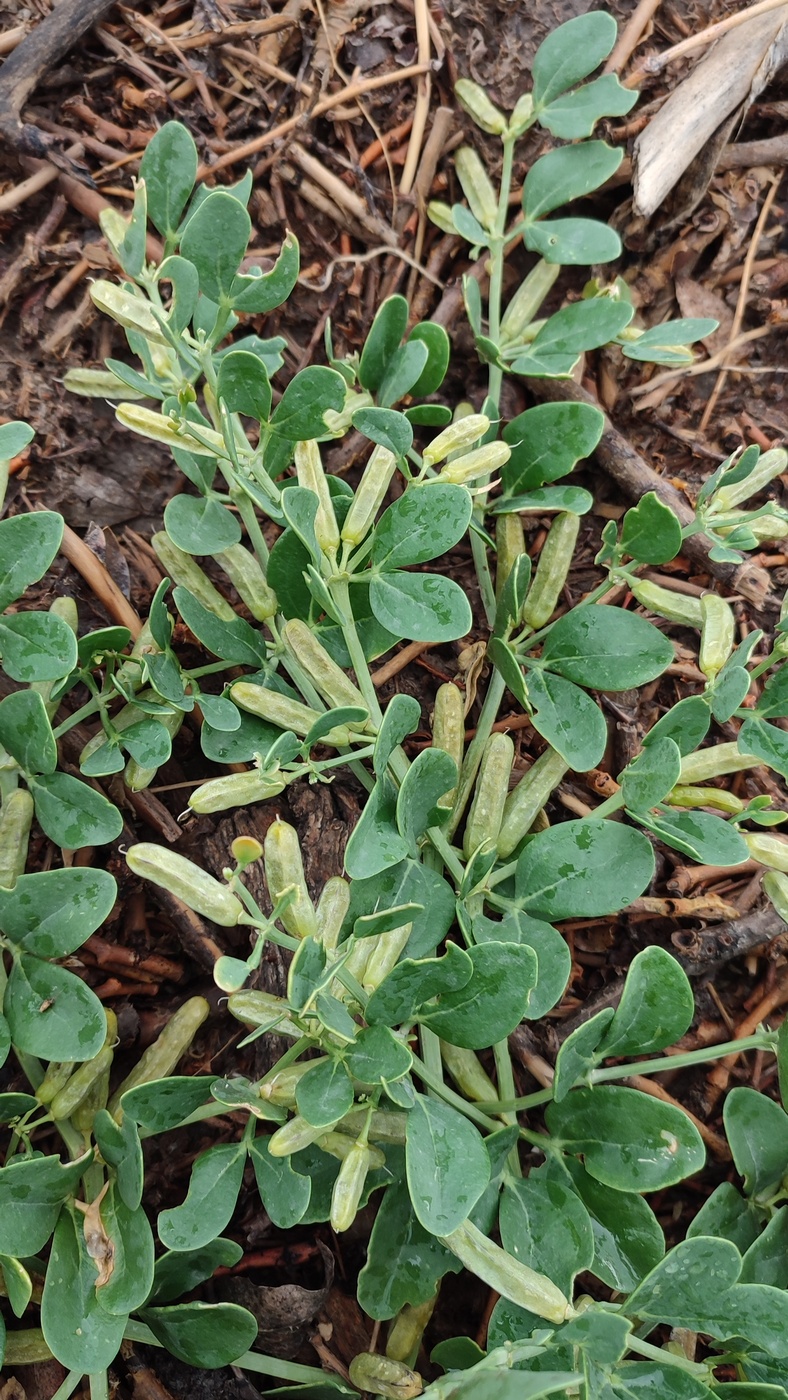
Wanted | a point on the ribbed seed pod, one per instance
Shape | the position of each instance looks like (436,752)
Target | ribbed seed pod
(16,819)
(448,729)
(309,469)
(509,545)
(371,489)
(527,799)
(552,570)
(248,580)
(328,678)
(714,762)
(284,870)
(675,607)
(199,890)
(286,713)
(332,907)
(717,634)
(235,790)
(186,571)
(492,785)
(160,1058)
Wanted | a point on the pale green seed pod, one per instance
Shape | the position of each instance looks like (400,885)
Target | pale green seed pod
(280,1088)
(328,679)
(235,790)
(195,887)
(384,956)
(770,464)
(348,1187)
(464,432)
(527,300)
(160,1058)
(284,870)
(57,1076)
(248,580)
(448,729)
(332,907)
(130,673)
(527,799)
(370,492)
(477,186)
(199,440)
(339,1145)
(84,1114)
(492,785)
(99,384)
(379,1375)
(522,115)
(466,1071)
(478,106)
(775,886)
(552,570)
(385,1125)
(509,546)
(26,1347)
(675,607)
(717,634)
(186,571)
(507,1275)
(718,798)
(407,1331)
(765,527)
(714,762)
(81,1082)
(309,469)
(257,1009)
(440,214)
(130,311)
(286,713)
(292,1136)
(482,462)
(769,849)
(16,819)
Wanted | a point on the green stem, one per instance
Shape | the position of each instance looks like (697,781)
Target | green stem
(341,595)
(86,711)
(442,1091)
(503,1068)
(762,1040)
(431,1052)
(68,1386)
(670,1358)
(99,1387)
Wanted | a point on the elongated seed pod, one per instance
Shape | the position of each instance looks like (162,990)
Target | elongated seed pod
(717,634)
(57,1076)
(328,678)
(492,785)
(130,672)
(81,1082)
(484,112)
(131,311)
(371,489)
(462,433)
(195,437)
(384,956)
(84,1114)
(675,607)
(769,849)
(284,870)
(448,729)
(775,886)
(187,881)
(524,802)
(509,545)
(160,1058)
(466,1071)
(332,907)
(292,1136)
(309,469)
(248,580)
(235,790)
(284,712)
(552,570)
(719,798)
(407,1331)
(25,1347)
(714,762)
(507,1275)
(385,1125)
(186,571)
(527,300)
(339,1145)
(348,1187)
(769,465)
(280,1087)
(136,776)
(379,1375)
(16,819)
(763,527)
(476,186)
(255,1008)
(471,465)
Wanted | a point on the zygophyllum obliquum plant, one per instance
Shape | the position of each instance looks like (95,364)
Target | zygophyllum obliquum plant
(442,935)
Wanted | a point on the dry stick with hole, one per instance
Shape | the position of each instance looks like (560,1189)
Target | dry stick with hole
(37,54)
(741,304)
(631,35)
